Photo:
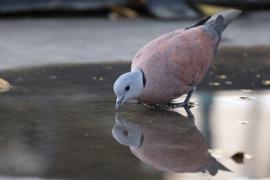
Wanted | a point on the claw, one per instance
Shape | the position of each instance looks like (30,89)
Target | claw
(183,104)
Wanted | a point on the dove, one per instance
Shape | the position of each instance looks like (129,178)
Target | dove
(171,142)
(173,64)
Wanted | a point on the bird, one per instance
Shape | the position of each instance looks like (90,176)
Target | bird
(171,142)
(173,64)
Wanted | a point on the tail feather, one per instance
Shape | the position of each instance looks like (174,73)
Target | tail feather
(216,24)
(221,20)
(215,166)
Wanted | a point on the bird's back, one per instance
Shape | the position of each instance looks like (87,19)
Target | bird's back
(173,63)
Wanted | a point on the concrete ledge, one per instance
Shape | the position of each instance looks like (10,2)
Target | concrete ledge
(25,42)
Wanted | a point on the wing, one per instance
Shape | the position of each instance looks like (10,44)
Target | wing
(174,63)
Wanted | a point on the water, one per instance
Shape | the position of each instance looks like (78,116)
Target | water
(57,122)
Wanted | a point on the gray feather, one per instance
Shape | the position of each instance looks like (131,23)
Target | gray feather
(221,20)
(216,24)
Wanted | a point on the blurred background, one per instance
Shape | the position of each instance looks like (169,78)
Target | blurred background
(60,58)
(65,31)
(167,9)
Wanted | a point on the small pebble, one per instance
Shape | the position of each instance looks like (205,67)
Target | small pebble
(228,82)
(266,82)
(222,76)
(243,122)
(214,83)
(4,85)
(239,157)
(245,98)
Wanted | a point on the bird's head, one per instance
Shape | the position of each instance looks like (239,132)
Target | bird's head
(128,86)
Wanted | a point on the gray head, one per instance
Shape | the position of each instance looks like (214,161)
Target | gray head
(127,133)
(128,86)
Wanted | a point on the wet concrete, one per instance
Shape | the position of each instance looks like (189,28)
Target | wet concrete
(57,122)
(233,68)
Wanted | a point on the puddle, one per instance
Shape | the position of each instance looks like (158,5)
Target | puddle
(57,122)
(170,143)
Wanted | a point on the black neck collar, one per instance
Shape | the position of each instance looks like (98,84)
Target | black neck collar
(143,76)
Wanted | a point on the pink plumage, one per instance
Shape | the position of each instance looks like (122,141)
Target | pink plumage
(173,63)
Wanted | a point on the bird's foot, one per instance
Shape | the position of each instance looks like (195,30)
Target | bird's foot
(186,103)
(182,104)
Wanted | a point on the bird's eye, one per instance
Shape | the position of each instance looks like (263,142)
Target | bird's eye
(127,88)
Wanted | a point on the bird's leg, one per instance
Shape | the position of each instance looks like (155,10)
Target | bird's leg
(189,113)
(186,103)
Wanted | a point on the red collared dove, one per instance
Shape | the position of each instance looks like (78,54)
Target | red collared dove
(171,142)
(174,63)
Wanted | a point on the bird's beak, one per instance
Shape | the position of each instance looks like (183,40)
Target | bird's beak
(119,102)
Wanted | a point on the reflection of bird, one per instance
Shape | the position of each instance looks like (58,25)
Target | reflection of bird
(174,63)
(168,142)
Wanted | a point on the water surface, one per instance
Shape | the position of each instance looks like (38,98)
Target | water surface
(57,122)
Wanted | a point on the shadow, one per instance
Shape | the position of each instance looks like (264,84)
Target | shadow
(167,141)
